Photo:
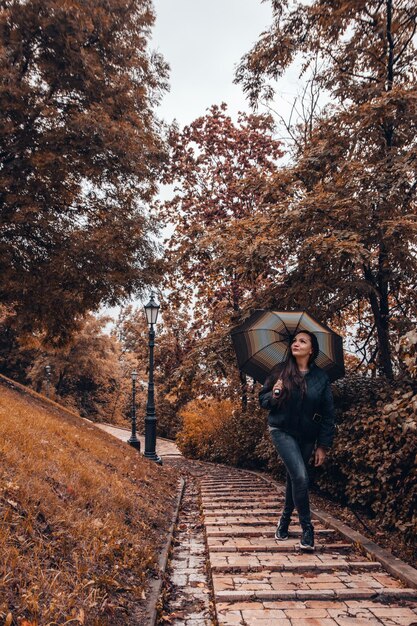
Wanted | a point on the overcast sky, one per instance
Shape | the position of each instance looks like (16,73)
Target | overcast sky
(203,41)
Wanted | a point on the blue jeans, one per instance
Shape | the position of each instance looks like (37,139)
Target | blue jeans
(295,454)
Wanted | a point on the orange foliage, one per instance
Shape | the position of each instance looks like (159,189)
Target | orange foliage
(76,234)
(216,430)
(79,532)
(202,421)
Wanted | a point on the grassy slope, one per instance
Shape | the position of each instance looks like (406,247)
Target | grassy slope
(82,518)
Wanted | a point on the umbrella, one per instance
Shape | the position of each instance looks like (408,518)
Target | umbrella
(263,341)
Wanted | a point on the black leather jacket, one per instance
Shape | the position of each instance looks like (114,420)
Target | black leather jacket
(311,418)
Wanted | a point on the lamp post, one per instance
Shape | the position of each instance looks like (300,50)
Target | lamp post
(134,441)
(48,379)
(151,312)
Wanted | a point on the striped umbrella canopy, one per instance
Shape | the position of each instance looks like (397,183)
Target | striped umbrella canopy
(263,340)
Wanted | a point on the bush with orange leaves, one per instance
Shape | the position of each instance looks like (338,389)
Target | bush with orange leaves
(218,431)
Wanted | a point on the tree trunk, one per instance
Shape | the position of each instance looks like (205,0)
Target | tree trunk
(380,305)
(390,47)
(378,298)
(242,375)
(380,311)
(243,390)
(60,382)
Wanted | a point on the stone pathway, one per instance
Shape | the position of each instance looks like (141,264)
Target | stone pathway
(259,581)
(227,569)
(164,447)
(187,591)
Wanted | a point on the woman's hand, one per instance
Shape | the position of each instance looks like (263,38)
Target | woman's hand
(278,385)
(319,456)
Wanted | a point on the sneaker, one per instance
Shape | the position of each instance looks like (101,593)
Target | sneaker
(281,532)
(307,538)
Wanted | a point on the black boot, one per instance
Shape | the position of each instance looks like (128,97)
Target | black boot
(307,538)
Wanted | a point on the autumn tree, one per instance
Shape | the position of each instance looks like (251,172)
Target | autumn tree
(91,373)
(220,170)
(348,222)
(79,151)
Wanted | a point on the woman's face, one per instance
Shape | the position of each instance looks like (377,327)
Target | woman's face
(301,345)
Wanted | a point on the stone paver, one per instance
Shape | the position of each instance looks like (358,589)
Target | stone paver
(260,581)
(186,596)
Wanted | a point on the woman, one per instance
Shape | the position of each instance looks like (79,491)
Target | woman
(301,420)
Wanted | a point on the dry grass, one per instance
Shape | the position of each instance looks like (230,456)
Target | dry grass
(82,518)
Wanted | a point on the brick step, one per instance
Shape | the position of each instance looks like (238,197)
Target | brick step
(274,546)
(294,547)
(239,480)
(231,488)
(226,506)
(267,530)
(241,521)
(318,612)
(267,560)
(228,478)
(383,594)
(227,482)
(242,504)
(276,580)
(264,531)
(259,520)
(238,502)
(253,484)
(238,512)
(302,566)
(231,491)
(232,496)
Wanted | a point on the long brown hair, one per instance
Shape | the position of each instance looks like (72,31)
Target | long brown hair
(288,371)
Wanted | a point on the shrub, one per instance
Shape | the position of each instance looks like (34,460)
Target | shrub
(168,417)
(407,350)
(216,430)
(373,462)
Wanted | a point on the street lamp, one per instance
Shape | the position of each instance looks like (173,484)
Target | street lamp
(134,441)
(151,312)
(48,379)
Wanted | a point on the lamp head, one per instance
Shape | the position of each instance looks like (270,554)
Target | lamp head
(151,310)
(134,375)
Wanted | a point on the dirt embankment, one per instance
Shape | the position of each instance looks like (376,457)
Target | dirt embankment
(82,519)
